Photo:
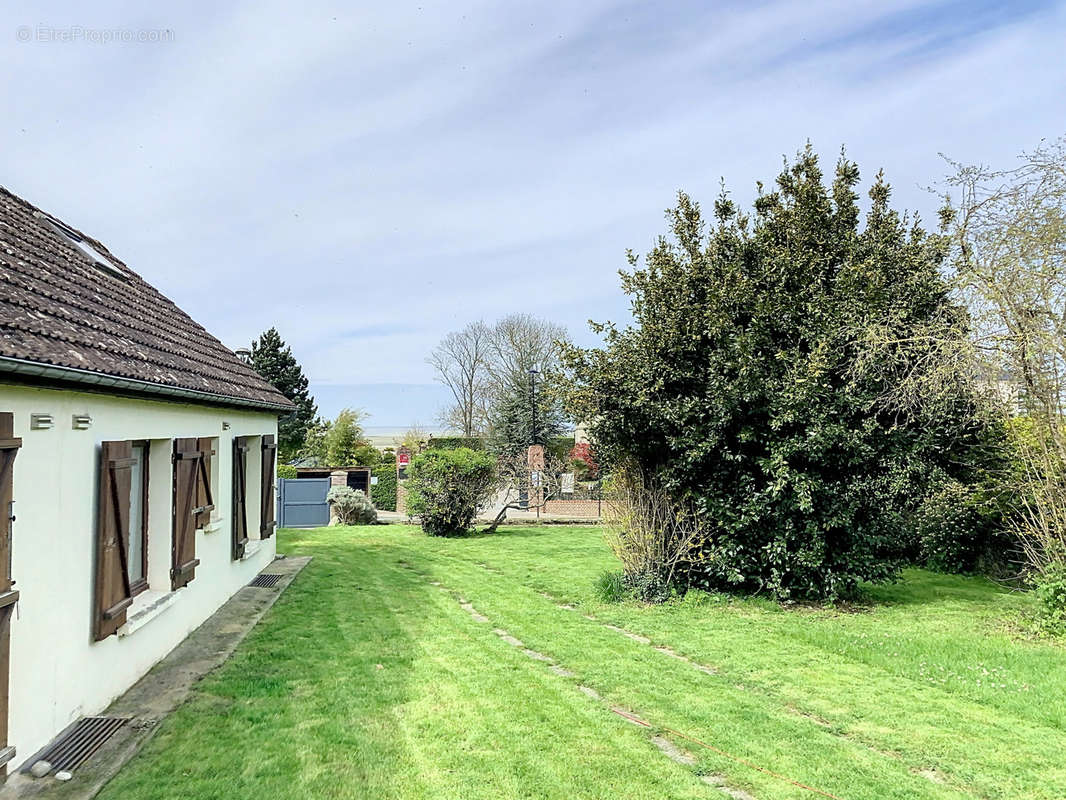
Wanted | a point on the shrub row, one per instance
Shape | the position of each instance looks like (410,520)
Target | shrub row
(455,442)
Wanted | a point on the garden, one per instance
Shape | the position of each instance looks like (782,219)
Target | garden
(401,665)
(831,560)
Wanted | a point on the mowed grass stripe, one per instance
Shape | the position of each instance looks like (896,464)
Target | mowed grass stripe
(932,729)
(945,629)
(303,710)
(670,693)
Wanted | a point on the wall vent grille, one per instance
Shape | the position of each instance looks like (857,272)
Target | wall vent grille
(87,736)
(266,579)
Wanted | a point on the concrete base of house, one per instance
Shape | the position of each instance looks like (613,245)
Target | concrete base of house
(162,690)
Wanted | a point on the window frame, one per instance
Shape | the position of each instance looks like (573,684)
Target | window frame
(100,261)
(136,587)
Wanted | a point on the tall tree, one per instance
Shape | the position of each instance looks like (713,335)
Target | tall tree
(521,343)
(345,438)
(461,362)
(742,386)
(1007,229)
(273,359)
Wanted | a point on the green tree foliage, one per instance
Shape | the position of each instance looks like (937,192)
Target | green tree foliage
(344,439)
(511,416)
(743,385)
(314,449)
(366,455)
(273,359)
(445,488)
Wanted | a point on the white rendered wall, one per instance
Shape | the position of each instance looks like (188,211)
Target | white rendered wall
(58,673)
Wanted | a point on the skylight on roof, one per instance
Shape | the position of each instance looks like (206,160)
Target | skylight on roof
(94,255)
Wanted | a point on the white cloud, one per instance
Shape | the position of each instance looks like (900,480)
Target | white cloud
(327,169)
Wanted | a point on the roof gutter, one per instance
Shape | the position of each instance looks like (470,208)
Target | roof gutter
(100,381)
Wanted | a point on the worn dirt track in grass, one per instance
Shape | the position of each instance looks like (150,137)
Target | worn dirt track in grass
(369,681)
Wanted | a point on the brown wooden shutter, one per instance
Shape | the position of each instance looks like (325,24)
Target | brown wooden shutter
(187,460)
(9,447)
(205,502)
(266,492)
(240,506)
(113,595)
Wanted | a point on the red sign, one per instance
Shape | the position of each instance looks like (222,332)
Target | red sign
(403,459)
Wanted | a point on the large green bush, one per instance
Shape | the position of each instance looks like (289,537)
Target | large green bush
(445,488)
(752,380)
(287,471)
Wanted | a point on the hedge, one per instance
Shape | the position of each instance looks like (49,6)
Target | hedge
(455,442)
(384,493)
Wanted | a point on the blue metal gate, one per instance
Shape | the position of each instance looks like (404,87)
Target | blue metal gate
(302,502)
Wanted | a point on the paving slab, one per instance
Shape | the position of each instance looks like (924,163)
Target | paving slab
(165,687)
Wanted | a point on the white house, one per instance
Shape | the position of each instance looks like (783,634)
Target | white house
(137,462)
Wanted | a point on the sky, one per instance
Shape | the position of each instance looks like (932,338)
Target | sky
(368,177)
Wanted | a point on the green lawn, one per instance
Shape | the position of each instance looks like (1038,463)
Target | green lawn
(368,681)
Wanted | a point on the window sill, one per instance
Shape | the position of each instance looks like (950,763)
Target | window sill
(214,526)
(146,607)
(251,547)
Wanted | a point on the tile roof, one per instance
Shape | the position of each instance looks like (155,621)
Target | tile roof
(58,308)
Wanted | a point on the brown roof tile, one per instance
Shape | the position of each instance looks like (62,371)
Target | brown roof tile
(58,308)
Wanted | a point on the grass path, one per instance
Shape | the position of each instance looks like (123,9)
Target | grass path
(367,680)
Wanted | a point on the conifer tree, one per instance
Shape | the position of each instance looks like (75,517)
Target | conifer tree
(273,359)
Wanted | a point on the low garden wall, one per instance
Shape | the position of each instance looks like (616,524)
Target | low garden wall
(586,509)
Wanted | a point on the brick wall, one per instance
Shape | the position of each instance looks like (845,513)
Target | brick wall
(588,509)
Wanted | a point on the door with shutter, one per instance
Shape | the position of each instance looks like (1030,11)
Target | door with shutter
(9,447)
(112,588)
(266,491)
(240,488)
(188,460)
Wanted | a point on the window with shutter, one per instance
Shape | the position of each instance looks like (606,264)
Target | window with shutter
(137,536)
(266,492)
(112,586)
(9,447)
(205,502)
(187,469)
(240,488)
